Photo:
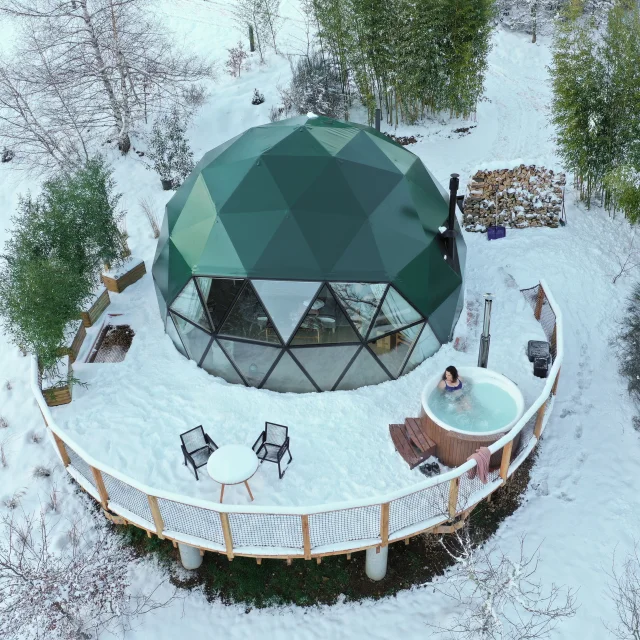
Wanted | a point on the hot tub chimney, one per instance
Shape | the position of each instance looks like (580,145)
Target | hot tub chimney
(378,117)
(450,234)
(485,339)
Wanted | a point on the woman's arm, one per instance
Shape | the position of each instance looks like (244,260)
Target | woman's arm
(441,384)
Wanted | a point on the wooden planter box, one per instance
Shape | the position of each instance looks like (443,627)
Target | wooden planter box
(91,315)
(118,282)
(76,333)
(62,394)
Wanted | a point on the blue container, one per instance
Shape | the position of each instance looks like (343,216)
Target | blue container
(496,232)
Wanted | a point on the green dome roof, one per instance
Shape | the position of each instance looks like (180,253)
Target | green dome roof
(314,199)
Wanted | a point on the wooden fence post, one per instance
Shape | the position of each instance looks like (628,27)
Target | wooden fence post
(226,530)
(539,302)
(157,516)
(62,449)
(506,460)
(102,490)
(539,420)
(454,485)
(306,537)
(384,523)
(555,384)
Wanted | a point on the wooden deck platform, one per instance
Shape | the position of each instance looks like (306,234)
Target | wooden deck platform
(412,442)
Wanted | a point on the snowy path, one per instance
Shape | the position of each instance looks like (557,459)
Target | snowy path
(582,501)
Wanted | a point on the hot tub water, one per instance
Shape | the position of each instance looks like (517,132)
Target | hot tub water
(478,407)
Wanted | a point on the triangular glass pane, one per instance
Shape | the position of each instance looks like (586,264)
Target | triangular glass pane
(194,339)
(325,364)
(217,364)
(253,360)
(219,294)
(361,301)
(325,323)
(393,349)
(364,371)
(426,346)
(248,319)
(188,305)
(395,313)
(287,376)
(286,302)
(175,338)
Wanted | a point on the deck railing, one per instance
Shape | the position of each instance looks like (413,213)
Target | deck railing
(437,504)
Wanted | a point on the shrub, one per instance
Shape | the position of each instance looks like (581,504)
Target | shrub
(315,87)
(628,344)
(169,149)
(258,98)
(624,185)
(7,155)
(237,60)
(53,260)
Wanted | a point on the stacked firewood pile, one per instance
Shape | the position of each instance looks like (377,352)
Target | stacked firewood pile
(527,196)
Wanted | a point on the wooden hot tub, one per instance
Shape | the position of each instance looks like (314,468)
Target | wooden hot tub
(454,446)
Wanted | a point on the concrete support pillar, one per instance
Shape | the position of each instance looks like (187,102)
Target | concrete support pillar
(376,563)
(189,556)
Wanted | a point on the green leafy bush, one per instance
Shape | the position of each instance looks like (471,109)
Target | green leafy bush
(52,262)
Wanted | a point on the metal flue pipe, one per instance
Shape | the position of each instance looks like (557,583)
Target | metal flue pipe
(454,183)
(378,118)
(485,339)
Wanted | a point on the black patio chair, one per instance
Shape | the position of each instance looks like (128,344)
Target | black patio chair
(197,446)
(272,444)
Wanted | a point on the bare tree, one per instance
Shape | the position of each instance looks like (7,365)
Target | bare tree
(69,594)
(263,17)
(624,591)
(498,597)
(113,62)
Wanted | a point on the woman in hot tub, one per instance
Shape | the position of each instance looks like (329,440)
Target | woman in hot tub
(451,381)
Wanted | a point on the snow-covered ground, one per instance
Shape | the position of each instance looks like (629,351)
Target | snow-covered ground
(582,501)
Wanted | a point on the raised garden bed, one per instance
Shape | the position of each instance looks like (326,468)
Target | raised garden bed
(91,315)
(75,335)
(57,389)
(118,280)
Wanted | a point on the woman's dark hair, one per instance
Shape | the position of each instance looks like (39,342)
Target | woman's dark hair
(453,371)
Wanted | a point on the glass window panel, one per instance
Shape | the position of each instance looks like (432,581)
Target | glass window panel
(426,346)
(194,339)
(395,313)
(325,323)
(253,360)
(248,319)
(286,302)
(217,363)
(188,304)
(175,338)
(325,364)
(287,376)
(361,301)
(219,294)
(364,371)
(393,349)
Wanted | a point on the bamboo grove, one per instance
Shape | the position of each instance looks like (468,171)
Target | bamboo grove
(408,57)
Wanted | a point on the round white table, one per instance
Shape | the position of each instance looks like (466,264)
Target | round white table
(233,464)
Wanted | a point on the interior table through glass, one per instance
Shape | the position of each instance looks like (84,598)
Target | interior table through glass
(233,464)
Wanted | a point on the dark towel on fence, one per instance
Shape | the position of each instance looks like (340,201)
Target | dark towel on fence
(482,456)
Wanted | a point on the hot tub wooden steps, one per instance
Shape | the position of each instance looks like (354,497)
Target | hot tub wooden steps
(411,442)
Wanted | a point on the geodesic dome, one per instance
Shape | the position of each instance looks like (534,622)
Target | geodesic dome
(305,255)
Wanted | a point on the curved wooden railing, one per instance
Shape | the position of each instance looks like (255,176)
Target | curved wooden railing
(437,504)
